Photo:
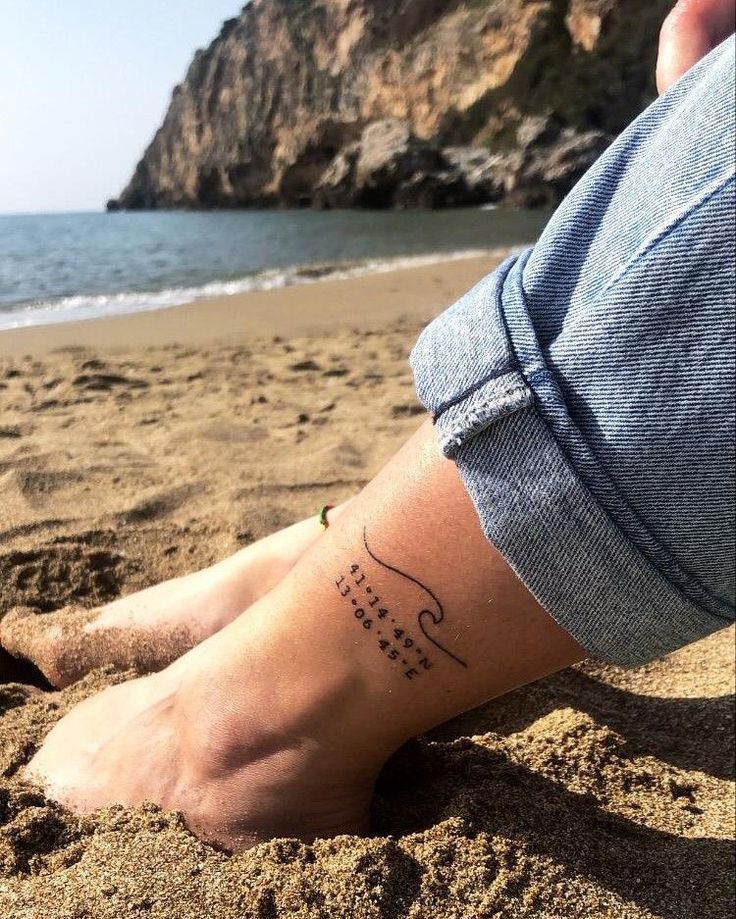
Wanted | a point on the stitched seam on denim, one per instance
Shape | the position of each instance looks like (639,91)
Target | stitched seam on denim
(477,420)
(671,567)
(685,576)
(660,235)
(502,274)
(671,563)
(542,451)
(471,390)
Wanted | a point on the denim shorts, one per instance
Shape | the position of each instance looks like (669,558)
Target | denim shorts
(585,389)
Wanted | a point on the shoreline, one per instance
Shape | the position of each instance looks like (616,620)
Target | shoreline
(81,307)
(364,301)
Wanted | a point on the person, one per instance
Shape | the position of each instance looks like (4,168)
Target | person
(581,503)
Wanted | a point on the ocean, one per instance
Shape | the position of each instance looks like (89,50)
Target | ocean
(67,267)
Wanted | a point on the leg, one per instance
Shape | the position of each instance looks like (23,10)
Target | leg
(304,698)
(149,629)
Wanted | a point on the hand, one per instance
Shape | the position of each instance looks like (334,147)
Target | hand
(692,29)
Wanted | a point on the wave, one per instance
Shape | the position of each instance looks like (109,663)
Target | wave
(96,306)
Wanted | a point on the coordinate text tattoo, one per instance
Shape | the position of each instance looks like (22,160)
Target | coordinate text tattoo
(407,637)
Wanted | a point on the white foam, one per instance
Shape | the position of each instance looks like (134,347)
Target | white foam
(76,308)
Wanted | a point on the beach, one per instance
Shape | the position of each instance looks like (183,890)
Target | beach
(141,447)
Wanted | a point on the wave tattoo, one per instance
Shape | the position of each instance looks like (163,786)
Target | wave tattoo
(436,616)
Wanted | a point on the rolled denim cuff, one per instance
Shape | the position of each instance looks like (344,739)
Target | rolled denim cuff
(500,416)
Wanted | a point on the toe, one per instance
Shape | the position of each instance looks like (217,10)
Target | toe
(15,629)
(35,637)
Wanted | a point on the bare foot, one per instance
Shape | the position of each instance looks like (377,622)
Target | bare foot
(266,754)
(149,629)
(278,724)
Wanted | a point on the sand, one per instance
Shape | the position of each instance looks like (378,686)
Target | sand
(137,449)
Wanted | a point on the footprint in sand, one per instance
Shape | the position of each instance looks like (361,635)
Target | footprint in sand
(302,366)
(336,372)
(106,382)
(409,410)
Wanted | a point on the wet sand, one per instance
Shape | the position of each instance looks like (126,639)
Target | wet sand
(136,449)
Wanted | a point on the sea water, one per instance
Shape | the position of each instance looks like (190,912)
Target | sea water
(65,267)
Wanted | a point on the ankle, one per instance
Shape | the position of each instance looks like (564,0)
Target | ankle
(291,753)
(251,695)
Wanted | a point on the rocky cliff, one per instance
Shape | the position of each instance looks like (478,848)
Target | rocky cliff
(379,103)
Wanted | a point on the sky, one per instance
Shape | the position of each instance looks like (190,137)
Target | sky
(83,86)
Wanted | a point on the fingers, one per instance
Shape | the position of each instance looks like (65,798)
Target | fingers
(692,29)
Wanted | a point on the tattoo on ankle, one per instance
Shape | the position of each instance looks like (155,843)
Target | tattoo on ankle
(380,620)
